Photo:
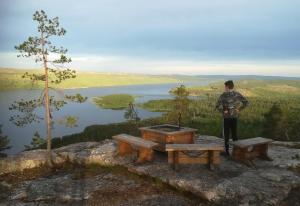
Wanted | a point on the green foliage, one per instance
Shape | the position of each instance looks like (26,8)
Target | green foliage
(101,132)
(4,141)
(158,105)
(180,106)
(76,98)
(282,125)
(252,121)
(269,89)
(273,120)
(26,110)
(293,132)
(203,117)
(69,121)
(40,47)
(114,101)
(62,75)
(36,142)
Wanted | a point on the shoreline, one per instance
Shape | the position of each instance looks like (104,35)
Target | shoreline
(87,87)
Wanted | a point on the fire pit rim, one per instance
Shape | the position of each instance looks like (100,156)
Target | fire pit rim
(182,129)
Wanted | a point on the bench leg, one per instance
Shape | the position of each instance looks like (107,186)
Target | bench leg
(242,155)
(212,155)
(176,160)
(124,148)
(236,153)
(145,154)
(263,152)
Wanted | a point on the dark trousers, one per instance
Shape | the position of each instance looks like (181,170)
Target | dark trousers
(230,127)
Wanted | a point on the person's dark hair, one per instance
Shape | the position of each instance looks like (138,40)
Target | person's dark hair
(229,84)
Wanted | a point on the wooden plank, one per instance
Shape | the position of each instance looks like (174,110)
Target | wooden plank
(135,140)
(154,137)
(201,159)
(145,155)
(124,148)
(198,160)
(183,157)
(193,147)
(186,138)
(251,142)
(216,157)
(163,139)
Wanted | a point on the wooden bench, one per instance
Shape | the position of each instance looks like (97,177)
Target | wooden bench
(248,149)
(194,154)
(128,144)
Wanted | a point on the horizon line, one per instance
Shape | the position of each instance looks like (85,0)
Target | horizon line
(151,74)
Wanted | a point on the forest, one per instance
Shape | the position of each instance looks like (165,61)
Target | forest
(274,110)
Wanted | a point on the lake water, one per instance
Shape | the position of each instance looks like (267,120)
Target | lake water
(88,113)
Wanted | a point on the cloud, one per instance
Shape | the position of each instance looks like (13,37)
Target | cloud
(129,64)
(179,35)
(232,28)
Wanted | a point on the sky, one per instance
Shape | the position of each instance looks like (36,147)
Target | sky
(232,37)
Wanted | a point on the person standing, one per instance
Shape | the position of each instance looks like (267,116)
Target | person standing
(230,103)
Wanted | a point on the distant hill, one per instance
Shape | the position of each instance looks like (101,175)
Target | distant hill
(247,77)
(11,79)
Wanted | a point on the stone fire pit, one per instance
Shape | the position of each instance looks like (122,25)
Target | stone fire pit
(168,134)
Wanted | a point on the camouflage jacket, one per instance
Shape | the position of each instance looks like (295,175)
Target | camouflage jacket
(230,103)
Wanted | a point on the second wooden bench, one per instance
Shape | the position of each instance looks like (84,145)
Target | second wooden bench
(128,144)
(246,150)
(194,154)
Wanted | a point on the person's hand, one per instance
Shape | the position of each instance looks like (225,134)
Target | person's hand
(225,111)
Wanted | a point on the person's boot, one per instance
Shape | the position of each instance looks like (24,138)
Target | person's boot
(227,152)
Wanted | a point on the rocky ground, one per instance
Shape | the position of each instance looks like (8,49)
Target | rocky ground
(89,185)
(95,176)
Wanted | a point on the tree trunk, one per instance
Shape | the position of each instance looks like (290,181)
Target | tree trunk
(47,106)
(48,117)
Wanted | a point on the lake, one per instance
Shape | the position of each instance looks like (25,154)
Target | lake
(88,113)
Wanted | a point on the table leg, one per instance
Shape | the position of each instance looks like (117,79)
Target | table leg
(124,148)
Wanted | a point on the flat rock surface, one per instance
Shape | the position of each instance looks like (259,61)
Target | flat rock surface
(269,183)
(96,186)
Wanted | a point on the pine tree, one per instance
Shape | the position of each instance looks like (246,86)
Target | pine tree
(131,114)
(54,72)
(36,141)
(275,124)
(181,102)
